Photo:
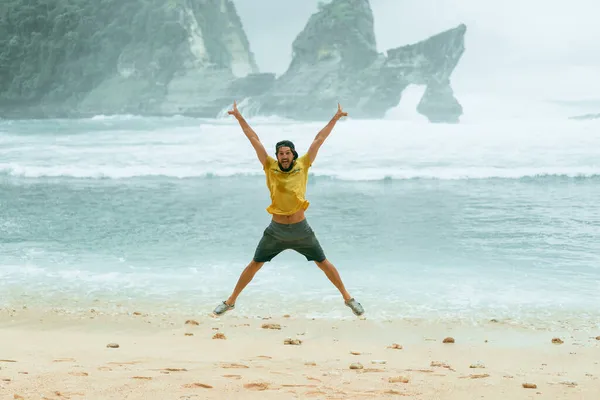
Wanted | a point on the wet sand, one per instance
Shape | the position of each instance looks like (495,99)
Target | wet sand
(56,355)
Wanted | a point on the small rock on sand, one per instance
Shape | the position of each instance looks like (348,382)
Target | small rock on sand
(477,365)
(398,379)
(355,353)
(234,365)
(439,364)
(567,383)
(113,345)
(137,313)
(529,386)
(287,316)
(356,366)
(271,326)
(196,385)
(395,346)
(293,342)
(448,340)
(557,340)
(479,376)
(18,397)
(219,335)
(257,386)
(378,362)
(188,334)
(597,337)
(192,322)
(310,364)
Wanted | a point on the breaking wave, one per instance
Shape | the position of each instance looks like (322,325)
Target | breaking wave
(113,172)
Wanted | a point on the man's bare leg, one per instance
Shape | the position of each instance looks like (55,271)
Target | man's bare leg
(244,279)
(334,276)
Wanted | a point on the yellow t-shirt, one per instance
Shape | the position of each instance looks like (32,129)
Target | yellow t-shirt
(287,188)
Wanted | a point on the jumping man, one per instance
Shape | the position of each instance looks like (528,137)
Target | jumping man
(286,179)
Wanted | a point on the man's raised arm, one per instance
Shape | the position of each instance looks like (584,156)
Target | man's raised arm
(323,133)
(250,134)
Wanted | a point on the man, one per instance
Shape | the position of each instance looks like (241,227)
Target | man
(286,179)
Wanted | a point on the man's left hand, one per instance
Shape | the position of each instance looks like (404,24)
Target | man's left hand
(339,114)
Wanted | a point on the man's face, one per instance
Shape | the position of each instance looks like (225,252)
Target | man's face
(285,157)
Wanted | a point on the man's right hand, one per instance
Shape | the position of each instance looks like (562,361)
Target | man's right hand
(235,111)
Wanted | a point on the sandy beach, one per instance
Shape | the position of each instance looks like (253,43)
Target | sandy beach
(57,355)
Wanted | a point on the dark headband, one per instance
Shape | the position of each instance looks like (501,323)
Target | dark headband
(286,143)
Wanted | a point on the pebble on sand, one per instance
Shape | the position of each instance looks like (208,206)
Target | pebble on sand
(479,376)
(188,334)
(597,337)
(293,342)
(78,373)
(219,335)
(113,345)
(355,353)
(356,366)
(529,386)
(557,340)
(398,379)
(271,326)
(257,386)
(448,340)
(477,365)
(395,346)
(192,322)
(197,385)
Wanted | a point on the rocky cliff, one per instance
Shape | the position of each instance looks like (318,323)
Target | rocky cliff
(586,116)
(70,58)
(335,59)
(82,57)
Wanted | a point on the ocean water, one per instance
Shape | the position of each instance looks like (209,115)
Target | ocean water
(486,219)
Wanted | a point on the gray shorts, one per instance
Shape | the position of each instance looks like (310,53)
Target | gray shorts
(279,237)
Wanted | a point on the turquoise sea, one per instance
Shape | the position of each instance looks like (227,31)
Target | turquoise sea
(473,221)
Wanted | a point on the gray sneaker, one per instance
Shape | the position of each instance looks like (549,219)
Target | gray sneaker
(355,306)
(223,308)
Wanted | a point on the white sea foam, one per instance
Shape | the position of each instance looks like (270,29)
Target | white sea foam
(356,150)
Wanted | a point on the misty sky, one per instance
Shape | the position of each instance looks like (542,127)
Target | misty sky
(544,48)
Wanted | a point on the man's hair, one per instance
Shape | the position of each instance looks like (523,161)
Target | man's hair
(286,143)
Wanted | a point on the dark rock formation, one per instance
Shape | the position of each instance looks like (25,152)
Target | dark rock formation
(586,116)
(335,59)
(73,58)
(87,57)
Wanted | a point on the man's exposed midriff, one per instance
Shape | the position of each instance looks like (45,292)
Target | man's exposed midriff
(289,219)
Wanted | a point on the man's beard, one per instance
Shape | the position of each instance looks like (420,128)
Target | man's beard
(288,169)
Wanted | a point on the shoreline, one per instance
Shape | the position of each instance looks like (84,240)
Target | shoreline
(577,319)
(179,357)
